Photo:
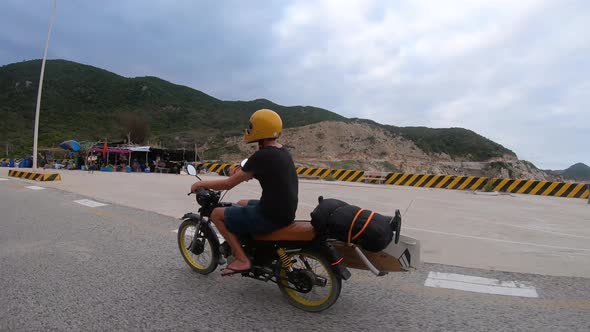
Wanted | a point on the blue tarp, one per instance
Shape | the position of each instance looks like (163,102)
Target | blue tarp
(26,163)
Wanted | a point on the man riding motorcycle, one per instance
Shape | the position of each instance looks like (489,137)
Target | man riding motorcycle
(272,165)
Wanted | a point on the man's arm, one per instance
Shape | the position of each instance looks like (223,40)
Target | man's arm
(225,184)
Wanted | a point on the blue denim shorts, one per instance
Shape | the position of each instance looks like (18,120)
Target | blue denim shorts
(247,220)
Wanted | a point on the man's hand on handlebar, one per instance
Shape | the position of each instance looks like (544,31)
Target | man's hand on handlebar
(196,186)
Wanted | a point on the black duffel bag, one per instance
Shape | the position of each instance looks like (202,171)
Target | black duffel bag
(337,219)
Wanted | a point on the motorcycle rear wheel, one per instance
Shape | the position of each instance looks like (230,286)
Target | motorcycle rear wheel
(204,258)
(310,264)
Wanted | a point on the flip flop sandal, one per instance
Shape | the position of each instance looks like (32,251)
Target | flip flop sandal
(234,271)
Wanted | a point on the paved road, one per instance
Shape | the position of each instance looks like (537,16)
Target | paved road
(517,233)
(65,266)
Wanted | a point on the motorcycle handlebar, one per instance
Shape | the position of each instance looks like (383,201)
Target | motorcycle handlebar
(202,189)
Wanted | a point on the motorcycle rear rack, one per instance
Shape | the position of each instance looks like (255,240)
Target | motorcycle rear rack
(363,258)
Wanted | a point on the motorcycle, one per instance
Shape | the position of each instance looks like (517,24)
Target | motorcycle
(308,270)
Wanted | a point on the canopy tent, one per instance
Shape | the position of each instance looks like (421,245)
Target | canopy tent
(70,145)
(145,149)
(111,150)
(174,158)
(139,148)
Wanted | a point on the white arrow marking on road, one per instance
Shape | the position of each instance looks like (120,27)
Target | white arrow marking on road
(35,188)
(89,203)
(3,179)
(479,284)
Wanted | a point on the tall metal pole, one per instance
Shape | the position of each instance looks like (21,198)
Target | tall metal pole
(36,136)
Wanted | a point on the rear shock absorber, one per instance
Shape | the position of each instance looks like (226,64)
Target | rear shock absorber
(285,260)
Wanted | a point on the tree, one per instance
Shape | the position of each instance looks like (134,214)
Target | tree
(134,127)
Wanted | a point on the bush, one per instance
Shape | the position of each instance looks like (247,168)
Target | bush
(489,186)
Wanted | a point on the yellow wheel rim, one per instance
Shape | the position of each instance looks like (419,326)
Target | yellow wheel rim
(187,233)
(304,298)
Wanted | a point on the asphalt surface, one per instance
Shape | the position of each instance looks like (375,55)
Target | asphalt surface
(65,266)
(516,233)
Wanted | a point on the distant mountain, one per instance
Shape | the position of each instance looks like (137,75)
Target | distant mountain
(576,172)
(86,103)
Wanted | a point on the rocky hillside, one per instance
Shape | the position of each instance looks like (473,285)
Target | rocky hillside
(361,145)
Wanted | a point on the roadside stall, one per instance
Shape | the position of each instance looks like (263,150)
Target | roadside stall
(56,158)
(138,151)
(113,159)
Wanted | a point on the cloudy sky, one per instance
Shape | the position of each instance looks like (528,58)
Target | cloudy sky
(517,72)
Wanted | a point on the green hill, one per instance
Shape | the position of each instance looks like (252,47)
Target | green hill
(576,172)
(87,103)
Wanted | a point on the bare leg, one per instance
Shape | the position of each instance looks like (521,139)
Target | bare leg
(241,262)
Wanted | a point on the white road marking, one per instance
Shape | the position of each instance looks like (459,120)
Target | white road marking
(35,188)
(3,179)
(479,284)
(495,240)
(89,203)
(539,230)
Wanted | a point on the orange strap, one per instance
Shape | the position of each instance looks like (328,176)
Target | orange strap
(352,224)
(365,226)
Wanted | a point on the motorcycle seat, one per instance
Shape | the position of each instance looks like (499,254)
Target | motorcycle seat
(297,231)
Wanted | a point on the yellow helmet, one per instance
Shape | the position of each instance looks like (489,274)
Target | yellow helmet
(264,123)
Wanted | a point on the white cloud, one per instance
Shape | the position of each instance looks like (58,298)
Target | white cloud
(516,72)
(504,68)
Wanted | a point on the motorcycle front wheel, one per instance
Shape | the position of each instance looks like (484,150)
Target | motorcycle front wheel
(311,284)
(198,247)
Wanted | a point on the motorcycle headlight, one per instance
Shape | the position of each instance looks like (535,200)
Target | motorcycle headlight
(204,197)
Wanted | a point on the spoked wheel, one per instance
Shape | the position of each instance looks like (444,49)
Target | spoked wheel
(311,285)
(198,248)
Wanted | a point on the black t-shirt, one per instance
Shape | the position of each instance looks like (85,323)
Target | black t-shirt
(274,168)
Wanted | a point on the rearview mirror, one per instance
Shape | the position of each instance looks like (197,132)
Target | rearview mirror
(191,170)
(243,162)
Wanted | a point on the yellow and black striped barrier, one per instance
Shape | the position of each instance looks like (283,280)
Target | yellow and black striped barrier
(455,182)
(34,175)
(321,173)
(516,186)
(221,169)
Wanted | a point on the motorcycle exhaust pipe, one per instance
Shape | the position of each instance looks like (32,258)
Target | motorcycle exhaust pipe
(336,261)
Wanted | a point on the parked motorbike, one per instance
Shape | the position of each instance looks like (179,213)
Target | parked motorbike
(308,269)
